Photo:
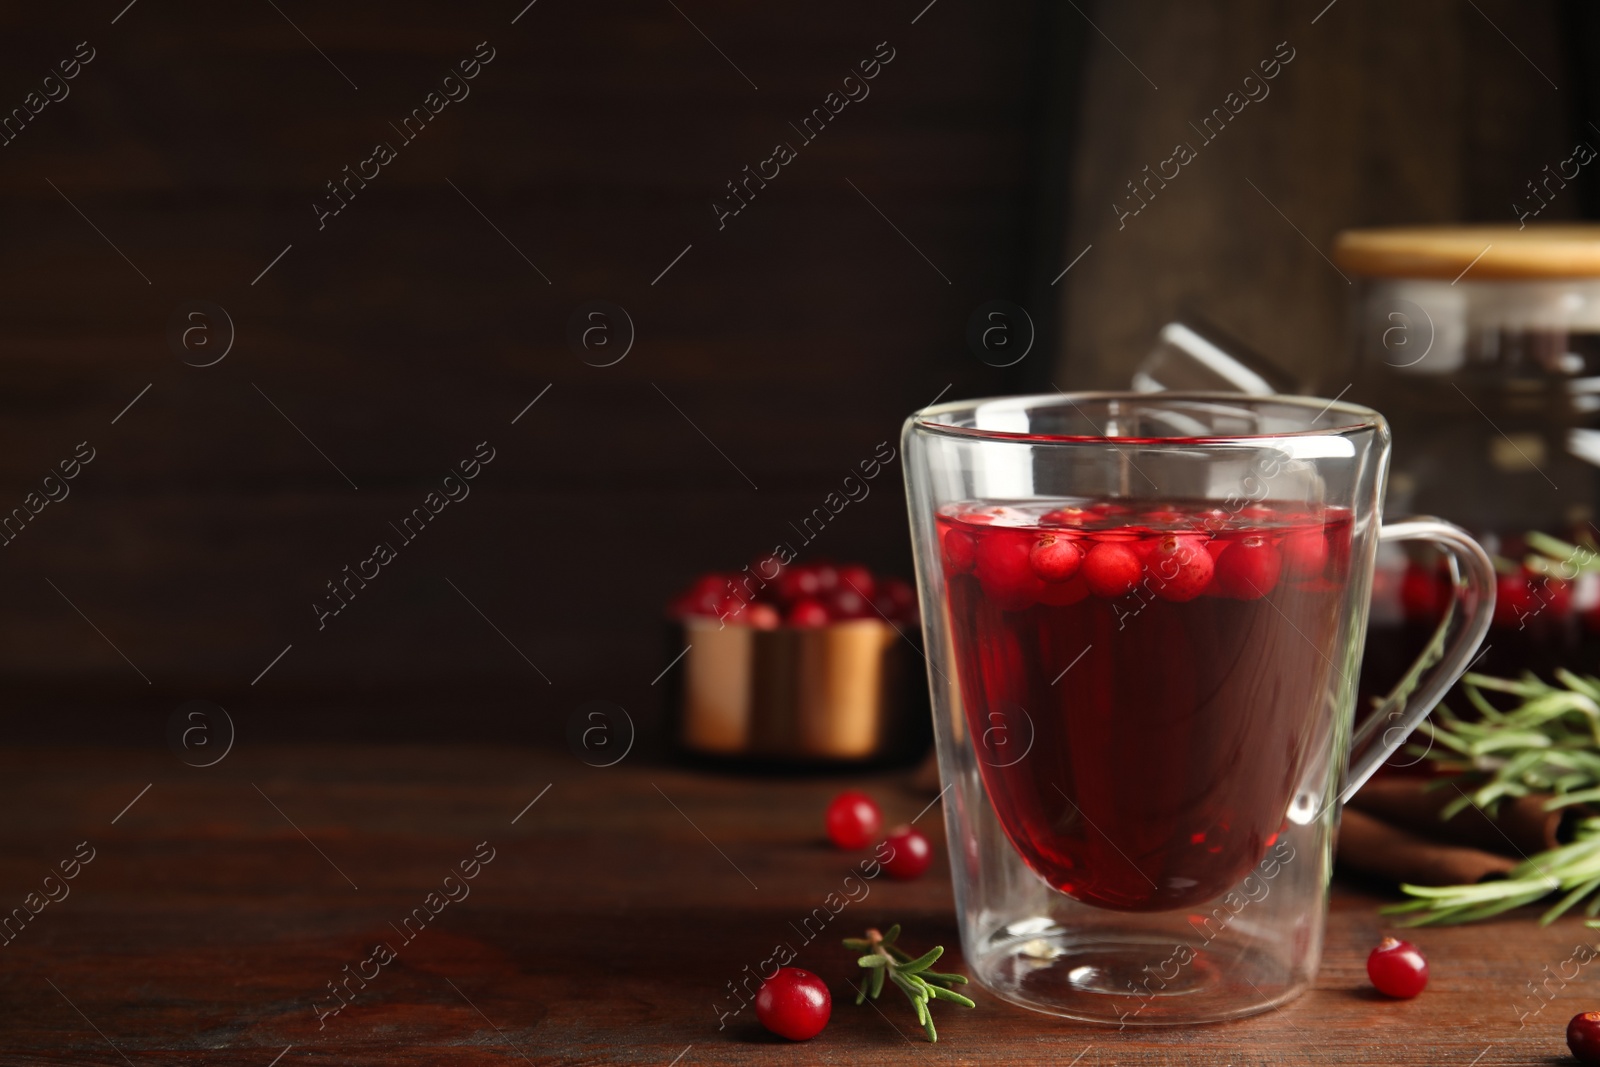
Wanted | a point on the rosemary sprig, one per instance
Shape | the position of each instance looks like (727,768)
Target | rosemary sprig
(920,985)
(1549,743)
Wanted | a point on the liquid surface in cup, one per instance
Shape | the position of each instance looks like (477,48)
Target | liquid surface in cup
(1143,713)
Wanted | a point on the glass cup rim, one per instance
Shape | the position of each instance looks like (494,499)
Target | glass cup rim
(1362,419)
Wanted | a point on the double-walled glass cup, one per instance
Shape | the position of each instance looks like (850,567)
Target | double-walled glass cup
(1144,618)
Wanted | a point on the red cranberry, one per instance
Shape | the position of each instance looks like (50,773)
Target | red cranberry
(703,597)
(1583,1037)
(1055,558)
(808,614)
(762,617)
(796,584)
(846,603)
(1181,567)
(911,856)
(1515,601)
(1005,571)
(856,577)
(767,568)
(853,820)
(827,576)
(1111,569)
(1066,517)
(960,551)
(1305,554)
(730,607)
(794,1004)
(1424,594)
(896,599)
(1248,568)
(1557,594)
(1397,968)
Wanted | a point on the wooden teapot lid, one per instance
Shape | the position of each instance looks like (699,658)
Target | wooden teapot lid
(1493,253)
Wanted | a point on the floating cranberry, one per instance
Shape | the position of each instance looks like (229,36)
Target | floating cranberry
(1305,554)
(1111,569)
(1005,570)
(1055,558)
(1066,517)
(911,853)
(960,551)
(1583,1037)
(853,820)
(858,578)
(794,1003)
(1248,569)
(1397,969)
(1181,568)
(808,614)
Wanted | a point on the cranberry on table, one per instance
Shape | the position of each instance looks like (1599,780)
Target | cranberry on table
(1111,569)
(911,856)
(1397,969)
(853,820)
(1583,1036)
(794,1003)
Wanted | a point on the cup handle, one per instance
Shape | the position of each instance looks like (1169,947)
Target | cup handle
(1446,658)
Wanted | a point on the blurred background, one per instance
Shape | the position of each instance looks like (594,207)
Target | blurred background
(344,362)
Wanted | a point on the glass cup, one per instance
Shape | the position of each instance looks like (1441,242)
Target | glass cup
(1144,618)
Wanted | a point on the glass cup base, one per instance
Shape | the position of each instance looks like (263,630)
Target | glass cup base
(1129,978)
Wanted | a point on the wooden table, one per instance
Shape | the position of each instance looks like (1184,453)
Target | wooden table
(616,906)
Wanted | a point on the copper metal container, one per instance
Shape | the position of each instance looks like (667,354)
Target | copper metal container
(848,692)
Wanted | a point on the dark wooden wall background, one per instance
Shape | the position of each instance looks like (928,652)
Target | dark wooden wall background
(409,330)
(795,340)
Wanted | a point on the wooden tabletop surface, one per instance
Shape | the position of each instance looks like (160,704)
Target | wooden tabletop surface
(609,908)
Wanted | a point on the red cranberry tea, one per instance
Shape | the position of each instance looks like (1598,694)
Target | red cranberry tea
(1170,669)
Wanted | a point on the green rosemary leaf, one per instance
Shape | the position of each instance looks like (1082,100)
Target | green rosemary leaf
(924,961)
(945,994)
(1565,798)
(1568,901)
(1480,894)
(859,944)
(893,935)
(885,960)
(936,977)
